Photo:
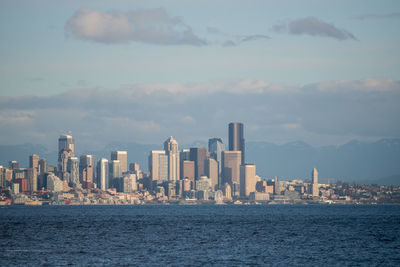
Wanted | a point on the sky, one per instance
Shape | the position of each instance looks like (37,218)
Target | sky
(322,72)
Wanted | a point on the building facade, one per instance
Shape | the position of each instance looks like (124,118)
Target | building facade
(66,142)
(198,155)
(211,167)
(215,147)
(102,174)
(236,139)
(231,161)
(248,179)
(315,185)
(122,156)
(73,170)
(172,151)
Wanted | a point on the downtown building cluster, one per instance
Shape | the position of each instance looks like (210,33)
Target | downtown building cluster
(191,175)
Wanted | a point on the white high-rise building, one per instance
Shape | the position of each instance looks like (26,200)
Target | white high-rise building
(172,151)
(211,166)
(248,179)
(155,165)
(315,185)
(102,174)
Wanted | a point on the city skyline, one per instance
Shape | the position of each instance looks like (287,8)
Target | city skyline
(176,132)
(321,72)
(175,176)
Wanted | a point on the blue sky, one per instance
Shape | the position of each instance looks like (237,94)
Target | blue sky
(50,49)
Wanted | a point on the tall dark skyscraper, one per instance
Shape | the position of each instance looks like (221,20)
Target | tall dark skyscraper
(236,138)
(199,156)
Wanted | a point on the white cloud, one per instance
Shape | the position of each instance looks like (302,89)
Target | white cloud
(367,84)
(243,86)
(112,27)
(153,26)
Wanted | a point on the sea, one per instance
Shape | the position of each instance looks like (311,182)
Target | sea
(200,235)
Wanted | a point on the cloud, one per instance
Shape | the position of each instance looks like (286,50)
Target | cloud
(229,43)
(394,15)
(214,30)
(148,113)
(153,26)
(314,27)
(230,40)
(364,85)
(255,37)
(246,38)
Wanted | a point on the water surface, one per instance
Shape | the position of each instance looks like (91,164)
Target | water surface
(199,235)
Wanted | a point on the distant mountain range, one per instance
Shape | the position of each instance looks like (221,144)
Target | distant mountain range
(376,162)
(353,161)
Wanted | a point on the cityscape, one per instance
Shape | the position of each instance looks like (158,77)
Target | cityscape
(199,133)
(196,175)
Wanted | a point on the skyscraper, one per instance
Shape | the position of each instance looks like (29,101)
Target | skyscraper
(34,161)
(215,147)
(115,172)
(66,149)
(231,161)
(198,155)
(185,154)
(122,156)
(86,160)
(42,182)
(32,179)
(66,142)
(73,169)
(34,164)
(158,165)
(2,177)
(172,151)
(211,167)
(63,163)
(315,185)
(102,174)
(248,179)
(236,138)
(188,171)
(87,167)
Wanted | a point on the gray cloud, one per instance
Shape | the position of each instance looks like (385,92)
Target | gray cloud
(229,40)
(146,113)
(247,38)
(214,30)
(255,37)
(153,26)
(394,15)
(229,43)
(314,27)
